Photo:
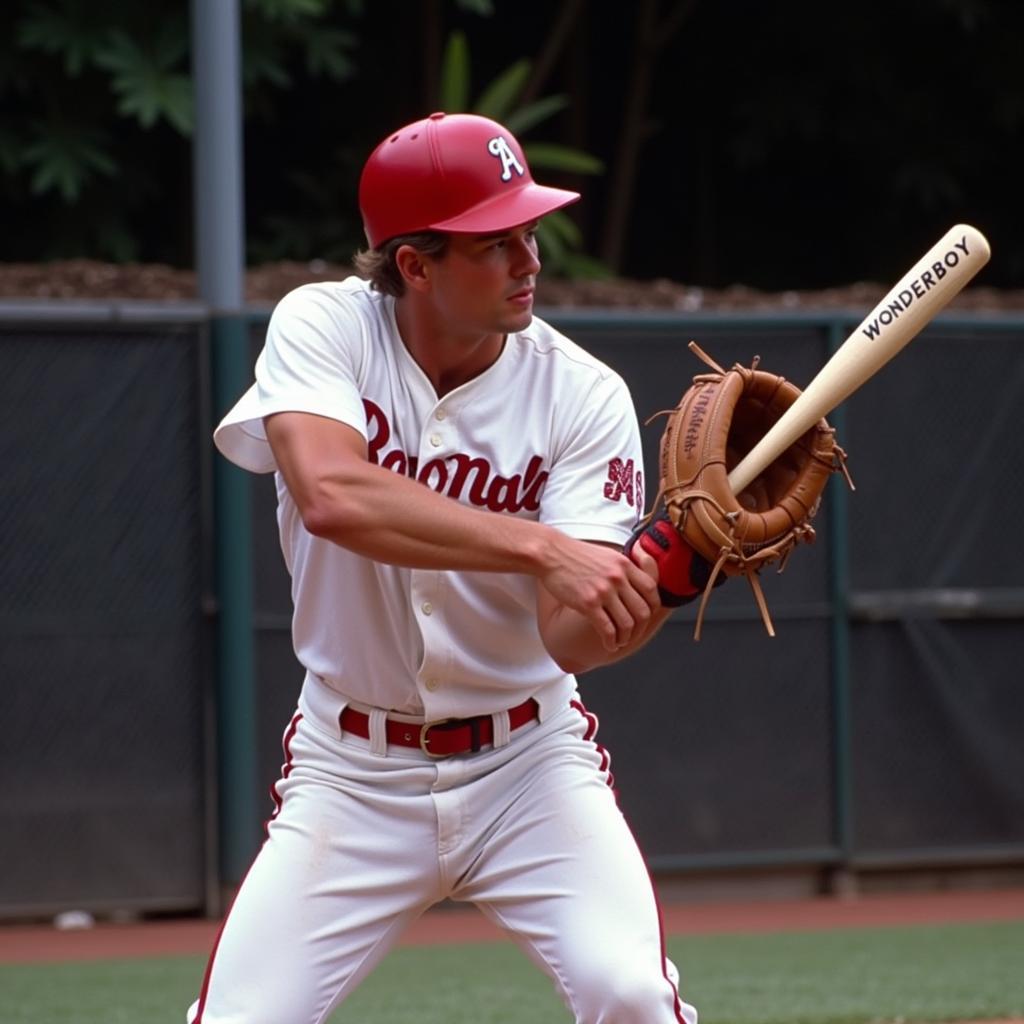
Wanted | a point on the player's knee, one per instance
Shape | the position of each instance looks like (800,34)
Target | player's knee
(624,996)
(634,997)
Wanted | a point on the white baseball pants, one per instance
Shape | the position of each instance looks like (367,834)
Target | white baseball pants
(362,844)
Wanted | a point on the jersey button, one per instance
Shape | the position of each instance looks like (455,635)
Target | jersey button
(440,414)
(427,607)
(432,684)
(435,440)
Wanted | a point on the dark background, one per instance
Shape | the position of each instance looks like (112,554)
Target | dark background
(800,145)
(783,146)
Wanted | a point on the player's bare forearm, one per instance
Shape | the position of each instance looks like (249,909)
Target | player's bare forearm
(392,519)
(572,639)
(389,518)
(576,647)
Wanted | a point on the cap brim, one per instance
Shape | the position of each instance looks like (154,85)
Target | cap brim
(509,210)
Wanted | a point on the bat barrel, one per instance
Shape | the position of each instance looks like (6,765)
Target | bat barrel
(918,296)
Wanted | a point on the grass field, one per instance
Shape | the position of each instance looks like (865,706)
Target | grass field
(857,976)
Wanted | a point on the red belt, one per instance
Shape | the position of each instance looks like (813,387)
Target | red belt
(443,737)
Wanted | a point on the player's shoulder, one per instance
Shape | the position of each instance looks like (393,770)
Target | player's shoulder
(350,295)
(545,343)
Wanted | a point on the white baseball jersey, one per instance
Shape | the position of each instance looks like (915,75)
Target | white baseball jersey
(367,834)
(546,433)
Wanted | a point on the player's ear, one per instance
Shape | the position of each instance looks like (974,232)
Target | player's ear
(414,267)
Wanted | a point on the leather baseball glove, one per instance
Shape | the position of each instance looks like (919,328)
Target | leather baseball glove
(697,529)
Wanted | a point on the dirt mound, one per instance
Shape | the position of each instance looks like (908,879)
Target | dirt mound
(265,284)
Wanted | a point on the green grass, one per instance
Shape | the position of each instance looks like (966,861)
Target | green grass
(955,972)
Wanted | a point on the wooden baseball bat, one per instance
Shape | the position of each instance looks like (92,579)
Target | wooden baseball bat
(920,294)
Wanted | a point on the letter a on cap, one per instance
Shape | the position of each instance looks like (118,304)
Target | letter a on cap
(500,148)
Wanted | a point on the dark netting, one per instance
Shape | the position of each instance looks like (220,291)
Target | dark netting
(100,454)
(713,756)
(939,465)
(278,672)
(100,626)
(278,681)
(937,752)
(727,747)
(271,583)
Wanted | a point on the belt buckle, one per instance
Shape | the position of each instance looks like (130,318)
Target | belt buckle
(425,739)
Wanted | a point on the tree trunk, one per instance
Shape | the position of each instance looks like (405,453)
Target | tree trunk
(567,20)
(652,34)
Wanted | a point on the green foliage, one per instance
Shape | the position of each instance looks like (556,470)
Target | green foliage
(89,91)
(289,11)
(328,52)
(559,238)
(562,243)
(68,30)
(522,119)
(453,91)
(313,222)
(144,74)
(563,158)
(275,30)
(64,158)
(96,114)
(312,213)
(498,99)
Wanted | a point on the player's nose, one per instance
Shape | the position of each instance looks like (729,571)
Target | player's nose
(525,261)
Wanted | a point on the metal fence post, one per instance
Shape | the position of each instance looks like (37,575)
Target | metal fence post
(839,587)
(220,264)
(236,696)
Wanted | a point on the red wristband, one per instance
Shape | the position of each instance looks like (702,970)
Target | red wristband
(674,557)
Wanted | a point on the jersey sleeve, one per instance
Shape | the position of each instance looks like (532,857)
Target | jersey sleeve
(595,490)
(309,363)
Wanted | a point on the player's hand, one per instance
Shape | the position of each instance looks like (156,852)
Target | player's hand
(614,593)
(643,559)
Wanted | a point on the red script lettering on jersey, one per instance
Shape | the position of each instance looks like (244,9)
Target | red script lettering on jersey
(452,474)
(486,489)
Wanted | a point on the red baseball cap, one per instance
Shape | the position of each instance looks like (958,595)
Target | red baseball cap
(451,172)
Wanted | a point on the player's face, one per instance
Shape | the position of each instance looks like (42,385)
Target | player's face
(484,283)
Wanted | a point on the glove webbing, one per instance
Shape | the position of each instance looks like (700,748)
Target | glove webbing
(749,565)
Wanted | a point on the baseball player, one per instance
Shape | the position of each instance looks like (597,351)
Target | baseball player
(457,486)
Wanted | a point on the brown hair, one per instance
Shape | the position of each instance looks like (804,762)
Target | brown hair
(378,265)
